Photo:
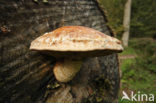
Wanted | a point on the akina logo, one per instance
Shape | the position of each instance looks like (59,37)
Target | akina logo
(137,96)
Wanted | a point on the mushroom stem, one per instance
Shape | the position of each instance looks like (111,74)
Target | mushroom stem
(65,71)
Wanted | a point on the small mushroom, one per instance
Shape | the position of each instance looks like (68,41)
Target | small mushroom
(70,45)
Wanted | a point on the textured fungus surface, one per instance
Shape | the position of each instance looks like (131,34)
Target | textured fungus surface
(76,42)
(76,38)
(26,76)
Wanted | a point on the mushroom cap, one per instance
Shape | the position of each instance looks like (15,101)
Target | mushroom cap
(76,42)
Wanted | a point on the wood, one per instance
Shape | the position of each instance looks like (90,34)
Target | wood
(27,77)
(126,23)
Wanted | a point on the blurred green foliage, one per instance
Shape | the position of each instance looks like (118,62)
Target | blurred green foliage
(143,16)
(143,21)
(128,51)
(146,51)
(114,10)
(139,74)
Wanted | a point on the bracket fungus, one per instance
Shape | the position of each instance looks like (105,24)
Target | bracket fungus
(71,44)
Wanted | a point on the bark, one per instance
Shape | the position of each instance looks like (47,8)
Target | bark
(26,76)
(126,23)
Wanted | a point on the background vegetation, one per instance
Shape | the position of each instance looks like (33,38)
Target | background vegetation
(143,22)
(138,61)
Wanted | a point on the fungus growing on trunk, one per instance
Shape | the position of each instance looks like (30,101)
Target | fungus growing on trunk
(70,45)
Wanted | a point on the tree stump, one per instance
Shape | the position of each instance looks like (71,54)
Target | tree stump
(26,76)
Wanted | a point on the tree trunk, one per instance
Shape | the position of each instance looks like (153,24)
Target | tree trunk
(26,76)
(126,23)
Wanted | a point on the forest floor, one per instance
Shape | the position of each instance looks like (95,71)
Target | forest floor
(138,70)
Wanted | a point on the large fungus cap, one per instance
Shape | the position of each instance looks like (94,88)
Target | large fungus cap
(77,42)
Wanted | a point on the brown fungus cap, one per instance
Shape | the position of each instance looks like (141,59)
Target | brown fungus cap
(76,42)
